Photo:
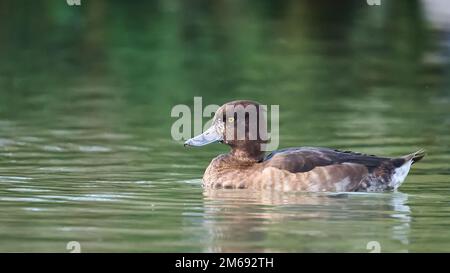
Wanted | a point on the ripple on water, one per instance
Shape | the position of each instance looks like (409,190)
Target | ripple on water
(28,190)
(16,179)
(87,197)
(6,142)
(61,169)
(23,199)
(93,149)
(53,148)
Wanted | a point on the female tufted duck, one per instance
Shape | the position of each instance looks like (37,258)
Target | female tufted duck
(293,169)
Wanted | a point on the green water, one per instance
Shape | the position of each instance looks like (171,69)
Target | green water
(86,152)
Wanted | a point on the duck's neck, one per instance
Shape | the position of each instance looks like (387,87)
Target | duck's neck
(248,153)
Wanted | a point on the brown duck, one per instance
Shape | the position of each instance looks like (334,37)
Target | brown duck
(294,169)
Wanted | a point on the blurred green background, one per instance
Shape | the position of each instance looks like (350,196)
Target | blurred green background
(147,56)
(86,92)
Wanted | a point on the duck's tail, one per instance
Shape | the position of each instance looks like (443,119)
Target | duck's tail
(401,170)
(415,157)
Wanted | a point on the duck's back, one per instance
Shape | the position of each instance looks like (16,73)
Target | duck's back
(322,169)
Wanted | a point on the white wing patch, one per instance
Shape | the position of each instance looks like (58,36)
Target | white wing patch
(399,175)
(342,185)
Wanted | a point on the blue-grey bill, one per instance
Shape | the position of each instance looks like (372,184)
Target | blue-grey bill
(209,136)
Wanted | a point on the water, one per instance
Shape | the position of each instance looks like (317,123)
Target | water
(85,147)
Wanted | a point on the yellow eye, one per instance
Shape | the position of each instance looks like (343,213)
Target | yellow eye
(230,120)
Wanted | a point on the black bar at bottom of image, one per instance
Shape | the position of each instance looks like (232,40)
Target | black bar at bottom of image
(219,262)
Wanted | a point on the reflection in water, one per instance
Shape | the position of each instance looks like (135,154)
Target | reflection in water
(402,212)
(250,216)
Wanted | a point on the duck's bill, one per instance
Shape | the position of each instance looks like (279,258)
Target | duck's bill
(209,136)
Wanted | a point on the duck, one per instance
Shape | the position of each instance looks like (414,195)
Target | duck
(304,169)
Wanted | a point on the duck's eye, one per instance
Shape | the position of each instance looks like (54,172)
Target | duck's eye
(230,120)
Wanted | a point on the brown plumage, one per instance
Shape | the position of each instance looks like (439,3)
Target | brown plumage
(294,169)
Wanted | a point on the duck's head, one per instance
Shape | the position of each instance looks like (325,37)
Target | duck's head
(241,125)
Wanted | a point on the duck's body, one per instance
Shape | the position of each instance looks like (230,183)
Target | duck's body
(294,169)
(310,169)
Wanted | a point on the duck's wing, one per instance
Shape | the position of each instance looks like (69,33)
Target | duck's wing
(321,169)
(305,159)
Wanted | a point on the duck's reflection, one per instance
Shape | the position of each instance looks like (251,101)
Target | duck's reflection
(266,221)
